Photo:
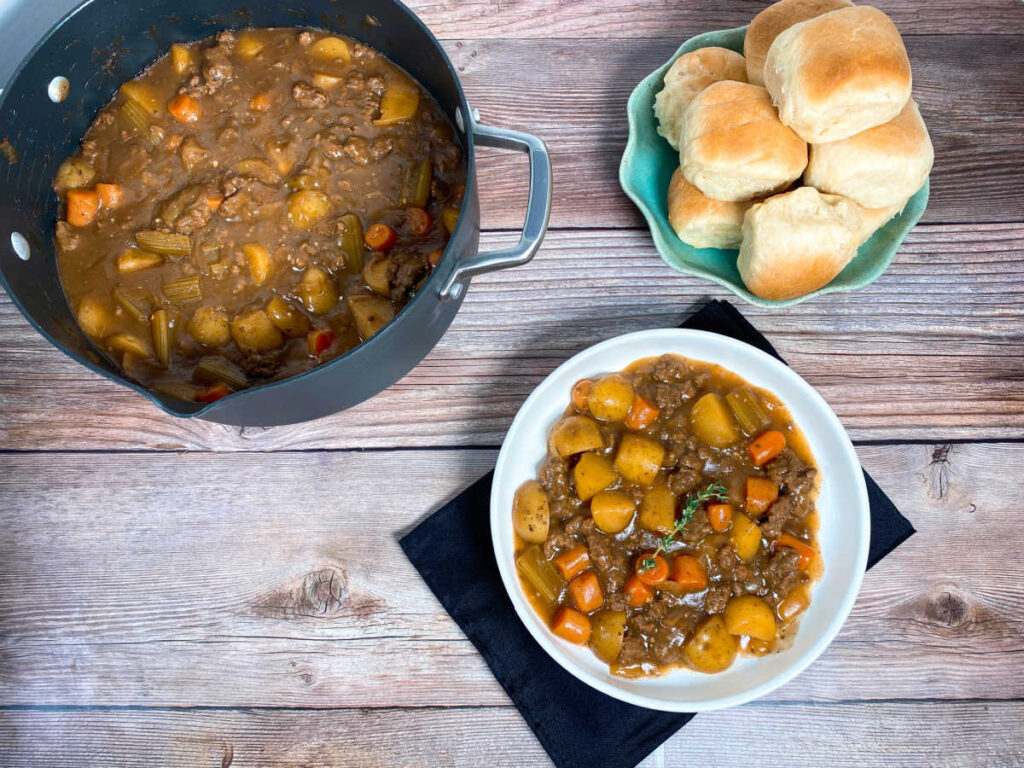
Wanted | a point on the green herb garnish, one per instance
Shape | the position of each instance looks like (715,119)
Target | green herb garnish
(714,492)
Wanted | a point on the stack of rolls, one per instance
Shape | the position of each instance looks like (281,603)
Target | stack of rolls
(798,151)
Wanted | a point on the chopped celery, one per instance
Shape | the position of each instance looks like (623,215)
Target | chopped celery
(132,306)
(210,370)
(416,189)
(352,244)
(183,289)
(164,242)
(541,574)
(748,410)
(161,323)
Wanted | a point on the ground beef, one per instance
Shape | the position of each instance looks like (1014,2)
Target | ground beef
(778,515)
(716,597)
(783,571)
(669,369)
(580,525)
(790,473)
(193,155)
(696,529)
(406,272)
(554,476)
(668,397)
(609,561)
(216,68)
(557,541)
(684,480)
(309,96)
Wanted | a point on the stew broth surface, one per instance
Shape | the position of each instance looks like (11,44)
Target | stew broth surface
(631,452)
(253,205)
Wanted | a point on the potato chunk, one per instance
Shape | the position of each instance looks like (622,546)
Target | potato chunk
(307,208)
(287,318)
(531,514)
(400,102)
(210,326)
(712,422)
(611,398)
(750,615)
(575,434)
(607,631)
(711,648)
(254,332)
(658,509)
(330,48)
(593,473)
(317,291)
(95,318)
(639,458)
(746,536)
(260,265)
(371,313)
(612,510)
(376,274)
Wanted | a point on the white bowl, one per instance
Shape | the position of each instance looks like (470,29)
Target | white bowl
(842,504)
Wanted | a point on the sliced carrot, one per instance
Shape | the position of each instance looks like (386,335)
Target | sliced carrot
(761,494)
(185,108)
(419,220)
(82,206)
(581,393)
(637,592)
(766,446)
(319,341)
(173,141)
(110,195)
(434,257)
(571,625)
(214,392)
(260,102)
(654,575)
(380,236)
(688,572)
(586,592)
(573,562)
(806,551)
(641,414)
(719,516)
(214,201)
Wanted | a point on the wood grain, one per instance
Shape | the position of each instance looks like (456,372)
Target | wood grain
(619,19)
(246,580)
(967,86)
(932,350)
(885,734)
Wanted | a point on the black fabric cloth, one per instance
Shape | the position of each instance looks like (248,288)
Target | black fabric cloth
(577,725)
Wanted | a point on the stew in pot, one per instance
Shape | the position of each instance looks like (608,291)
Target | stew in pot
(673,521)
(252,206)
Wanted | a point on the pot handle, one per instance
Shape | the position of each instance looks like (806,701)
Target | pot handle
(538,208)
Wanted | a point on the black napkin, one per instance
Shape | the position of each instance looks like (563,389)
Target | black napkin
(578,726)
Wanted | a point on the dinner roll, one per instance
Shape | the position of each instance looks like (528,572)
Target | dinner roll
(838,74)
(701,221)
(690,74)
(777,17)
(735,148)
(873,219)
(797,242)
(878,167)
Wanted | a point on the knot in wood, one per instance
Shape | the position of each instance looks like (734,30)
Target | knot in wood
(947,608)
(324,592)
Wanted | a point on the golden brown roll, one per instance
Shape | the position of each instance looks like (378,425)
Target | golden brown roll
(773,20)
(690,74)
(734,147)
(878,167)
(873,219)
(797,242)
(701,221)
(838,74)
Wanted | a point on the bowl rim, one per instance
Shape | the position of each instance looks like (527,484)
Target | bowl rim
(674,341)
(914,207)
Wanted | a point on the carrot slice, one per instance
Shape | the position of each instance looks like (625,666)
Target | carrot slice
(82,206)
(319,341)
(766,446)
(761,494)
(586,592)
(719,516)
(573,562)
(110,195)
(380,236)
(184,108)
(641,414)
(806,551)
(638,592)
(260,102)
(214,392)
(688,572)
(571,625)
(652,576)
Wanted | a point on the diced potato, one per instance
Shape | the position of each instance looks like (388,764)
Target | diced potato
(371,313)
(793,604)
(611,398)
(593,473)
(711,648)
(658,509)
(712,422)
(531,514)
(746,536)
(145,96)
(376,274)
(400,102)
(74,173)
(250,44)
(317,291)
(607,630)
(136,259)
(129,344)
(280,150)
(95,318)
(330,48)
(576,434)
(307,208)
(210,326)
(612,510)
(751,616)
(450,217)
(639,458)
(181,58)
(287,318)
(259,169)
(254,332)
(325,82)
(260,264)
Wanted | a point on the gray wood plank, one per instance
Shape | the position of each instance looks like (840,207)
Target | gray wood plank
(871,735)
(574,96)
(240,580)
(932,350)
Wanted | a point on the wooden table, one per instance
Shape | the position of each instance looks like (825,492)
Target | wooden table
(179,593)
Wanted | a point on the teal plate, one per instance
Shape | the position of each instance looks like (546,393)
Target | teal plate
(648,164)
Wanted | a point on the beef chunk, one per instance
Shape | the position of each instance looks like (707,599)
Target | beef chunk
(309,96)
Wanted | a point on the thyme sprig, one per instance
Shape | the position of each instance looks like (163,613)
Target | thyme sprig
(714,492)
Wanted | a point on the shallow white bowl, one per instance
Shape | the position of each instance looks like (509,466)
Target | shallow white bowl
(842,504)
